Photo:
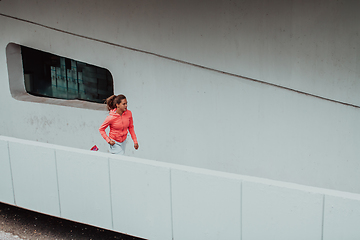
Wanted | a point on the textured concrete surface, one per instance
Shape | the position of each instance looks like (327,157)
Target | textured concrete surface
(8,236)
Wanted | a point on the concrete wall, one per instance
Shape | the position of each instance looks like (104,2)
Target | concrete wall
(156,200)
(180,65)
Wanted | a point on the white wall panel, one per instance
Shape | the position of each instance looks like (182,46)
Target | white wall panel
(84,187)
(205,207)
(141,201)
(341,218)
(6,188)
(157,200)
(34,176)
(276,213)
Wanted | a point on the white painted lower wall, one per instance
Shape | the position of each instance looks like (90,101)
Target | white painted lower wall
(156,200)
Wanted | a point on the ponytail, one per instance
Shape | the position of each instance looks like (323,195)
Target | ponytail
(110,102)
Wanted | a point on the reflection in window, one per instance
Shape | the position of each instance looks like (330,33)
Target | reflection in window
(49,75)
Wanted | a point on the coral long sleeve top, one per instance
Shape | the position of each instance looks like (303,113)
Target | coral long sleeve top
(119,126)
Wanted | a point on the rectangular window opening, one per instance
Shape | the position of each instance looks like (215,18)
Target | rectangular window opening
(52,76)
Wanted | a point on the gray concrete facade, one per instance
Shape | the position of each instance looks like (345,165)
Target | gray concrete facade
(259,88)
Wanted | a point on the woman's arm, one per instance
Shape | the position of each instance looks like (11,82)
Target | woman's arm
(102,128)
(132,132)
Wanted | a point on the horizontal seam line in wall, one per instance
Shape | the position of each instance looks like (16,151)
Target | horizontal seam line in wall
(181,61)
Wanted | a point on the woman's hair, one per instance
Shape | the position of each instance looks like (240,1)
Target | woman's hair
(113,100)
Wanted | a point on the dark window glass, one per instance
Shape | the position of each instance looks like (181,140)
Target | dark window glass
(49,75)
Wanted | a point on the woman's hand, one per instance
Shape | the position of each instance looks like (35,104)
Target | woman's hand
(111,142)
(136,146)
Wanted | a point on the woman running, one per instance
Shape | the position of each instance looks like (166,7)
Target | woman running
(120,122)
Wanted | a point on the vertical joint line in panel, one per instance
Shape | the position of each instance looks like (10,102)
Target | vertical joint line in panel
(323,218)
(111,205)
(11,172)
(171,206)
(57,182)
(241,213)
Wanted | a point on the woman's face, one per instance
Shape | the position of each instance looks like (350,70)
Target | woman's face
(122,106)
